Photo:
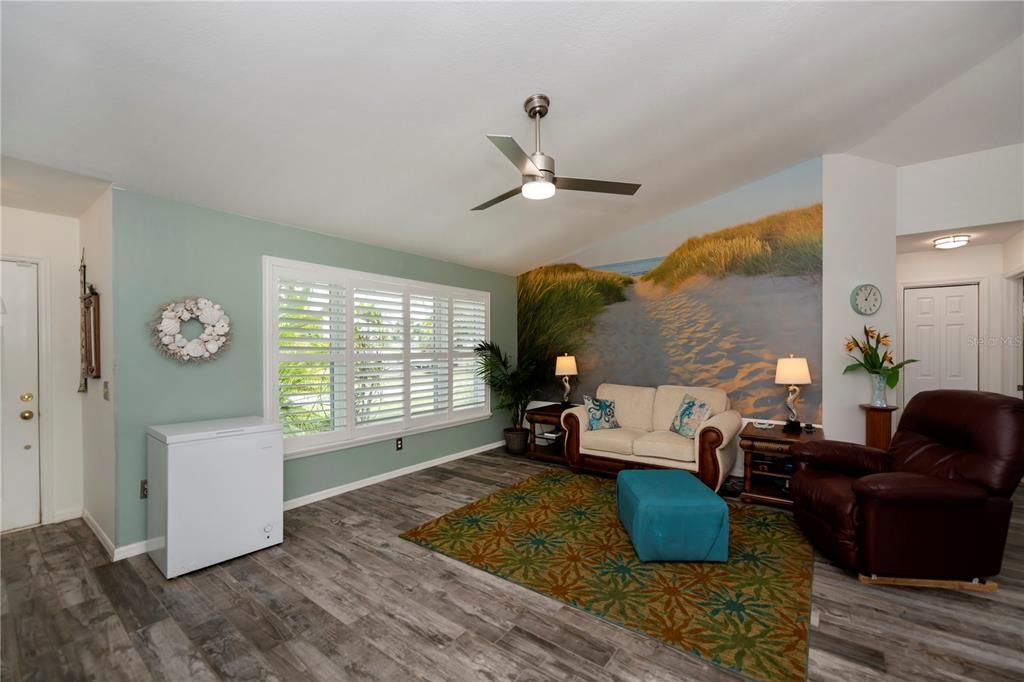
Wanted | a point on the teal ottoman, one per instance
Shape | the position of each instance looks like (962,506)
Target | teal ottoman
(672,516)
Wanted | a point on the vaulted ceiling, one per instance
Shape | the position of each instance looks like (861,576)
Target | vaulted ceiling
(367,121)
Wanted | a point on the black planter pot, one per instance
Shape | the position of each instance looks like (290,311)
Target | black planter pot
(515,440)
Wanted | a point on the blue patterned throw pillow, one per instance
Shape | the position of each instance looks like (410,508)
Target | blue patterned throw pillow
(600,413)
(690,415)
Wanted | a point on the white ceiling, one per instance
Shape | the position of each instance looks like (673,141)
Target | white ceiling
(980,109)
(367,120)
(980,235)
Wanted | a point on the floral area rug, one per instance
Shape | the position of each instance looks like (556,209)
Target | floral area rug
(559,534)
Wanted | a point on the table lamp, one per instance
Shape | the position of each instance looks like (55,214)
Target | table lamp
(793,372)
(565,367)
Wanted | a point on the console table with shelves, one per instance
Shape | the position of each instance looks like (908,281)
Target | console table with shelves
(546,445)
(767,466)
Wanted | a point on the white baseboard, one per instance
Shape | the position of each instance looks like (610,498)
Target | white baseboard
(380,478)
(141,547)
(115,553)
(104,539)
(134,549)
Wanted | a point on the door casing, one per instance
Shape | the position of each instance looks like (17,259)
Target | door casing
(47,502)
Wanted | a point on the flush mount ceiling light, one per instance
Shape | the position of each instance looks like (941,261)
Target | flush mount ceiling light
(538,169)
(951,242)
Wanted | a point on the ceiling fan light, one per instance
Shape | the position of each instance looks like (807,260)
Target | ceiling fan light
(952,242)
(538,189)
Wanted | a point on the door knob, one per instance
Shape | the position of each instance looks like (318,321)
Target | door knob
(27,414)
(26,397)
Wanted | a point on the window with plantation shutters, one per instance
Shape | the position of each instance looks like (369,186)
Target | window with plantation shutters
(353,357)
(429,355)
(469,327)
(311,364)
(378,356)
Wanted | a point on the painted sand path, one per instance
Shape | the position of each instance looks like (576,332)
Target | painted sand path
(711,332)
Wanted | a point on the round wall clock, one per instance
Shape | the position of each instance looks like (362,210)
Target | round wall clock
(866,299)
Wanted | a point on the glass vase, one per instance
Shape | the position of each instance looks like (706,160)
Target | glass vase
(877,390)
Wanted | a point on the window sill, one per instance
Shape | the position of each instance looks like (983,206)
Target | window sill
(297,451)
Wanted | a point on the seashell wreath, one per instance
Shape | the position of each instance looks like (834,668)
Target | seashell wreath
(169,339)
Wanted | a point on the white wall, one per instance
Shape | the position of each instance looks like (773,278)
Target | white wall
(937,264)
(1013,254)
(55,239)
(1012,315)
(981,264)
(982,188)
(97,431)
(860,214)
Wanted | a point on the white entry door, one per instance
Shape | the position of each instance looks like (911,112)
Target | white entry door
(941,331)
(19,348)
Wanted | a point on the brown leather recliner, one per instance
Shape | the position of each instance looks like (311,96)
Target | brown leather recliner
(935,505)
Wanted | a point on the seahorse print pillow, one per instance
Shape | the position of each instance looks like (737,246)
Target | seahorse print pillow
(690,415)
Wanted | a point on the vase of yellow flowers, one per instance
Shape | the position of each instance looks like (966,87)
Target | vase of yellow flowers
(876,359)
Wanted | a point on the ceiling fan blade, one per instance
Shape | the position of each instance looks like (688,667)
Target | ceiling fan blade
(581,185)
(511,149)
(498,199)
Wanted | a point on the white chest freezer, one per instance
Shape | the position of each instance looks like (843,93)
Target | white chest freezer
(216,491)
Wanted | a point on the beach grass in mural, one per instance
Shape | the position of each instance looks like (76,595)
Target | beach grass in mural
(558,533)
(787,243)
(557,308)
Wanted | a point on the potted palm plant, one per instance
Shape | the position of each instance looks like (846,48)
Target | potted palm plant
(514,388)
(876,359)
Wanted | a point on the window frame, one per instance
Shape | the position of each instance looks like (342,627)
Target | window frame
(353,435)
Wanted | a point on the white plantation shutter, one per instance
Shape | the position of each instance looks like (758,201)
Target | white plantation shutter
(378,356)
(353,357)
(429,355)
(311,362)
(469,328)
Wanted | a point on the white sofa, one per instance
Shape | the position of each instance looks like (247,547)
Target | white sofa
(645,439)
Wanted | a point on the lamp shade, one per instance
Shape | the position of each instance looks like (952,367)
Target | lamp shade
(792,371)
(565,366)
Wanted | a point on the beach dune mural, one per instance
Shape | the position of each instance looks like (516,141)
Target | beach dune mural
(715,294)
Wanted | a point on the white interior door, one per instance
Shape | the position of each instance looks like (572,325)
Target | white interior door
(940,330)
(19,348)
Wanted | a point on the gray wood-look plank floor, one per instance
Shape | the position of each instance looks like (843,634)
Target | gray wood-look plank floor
(344,598)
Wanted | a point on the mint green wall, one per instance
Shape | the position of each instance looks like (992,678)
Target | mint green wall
(165,250)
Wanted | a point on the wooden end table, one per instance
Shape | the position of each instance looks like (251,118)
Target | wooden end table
(549,415)
(767,466)
(878,425)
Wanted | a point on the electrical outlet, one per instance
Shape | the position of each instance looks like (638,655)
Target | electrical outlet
(143,489)
(106,390)
(398,444)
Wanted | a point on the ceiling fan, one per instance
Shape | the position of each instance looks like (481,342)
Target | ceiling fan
(538,169)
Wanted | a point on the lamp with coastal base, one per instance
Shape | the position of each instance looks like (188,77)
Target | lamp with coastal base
(565,367)
(793,372)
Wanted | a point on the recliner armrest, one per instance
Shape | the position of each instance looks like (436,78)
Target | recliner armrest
(902,486)
(849,458)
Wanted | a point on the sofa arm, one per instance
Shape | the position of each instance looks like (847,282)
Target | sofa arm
(580,413)
(848,458)
(911,488)
(575,422)
(716,448)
